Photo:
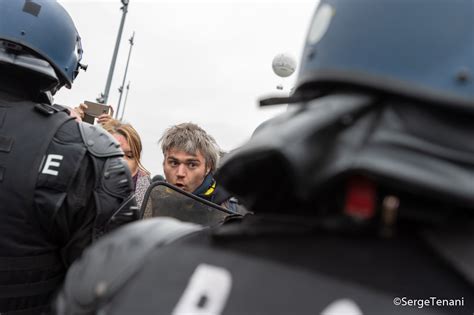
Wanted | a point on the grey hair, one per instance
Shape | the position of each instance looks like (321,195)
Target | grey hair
(191,138)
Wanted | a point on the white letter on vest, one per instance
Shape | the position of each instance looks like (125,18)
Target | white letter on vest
(52,161)
(206,293)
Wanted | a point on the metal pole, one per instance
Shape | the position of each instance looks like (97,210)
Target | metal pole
(125,101)
(105,96)
(125,75)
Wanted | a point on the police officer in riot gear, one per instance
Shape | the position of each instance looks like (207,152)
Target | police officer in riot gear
(362,191)
(62,183)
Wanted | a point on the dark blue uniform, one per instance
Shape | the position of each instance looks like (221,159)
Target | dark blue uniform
(62,185)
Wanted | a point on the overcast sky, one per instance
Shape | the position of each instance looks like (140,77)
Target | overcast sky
(207,62)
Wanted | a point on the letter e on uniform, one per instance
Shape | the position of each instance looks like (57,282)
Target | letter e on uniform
(52,162)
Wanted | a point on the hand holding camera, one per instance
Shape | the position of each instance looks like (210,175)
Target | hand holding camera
(88,111)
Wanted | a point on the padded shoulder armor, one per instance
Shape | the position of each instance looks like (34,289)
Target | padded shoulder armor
(98,141)
(107,266)
(116,204)
(115,198)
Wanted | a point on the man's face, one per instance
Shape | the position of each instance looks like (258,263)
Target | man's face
(184,170)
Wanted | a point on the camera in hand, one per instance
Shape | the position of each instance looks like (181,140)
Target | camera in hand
(94,110)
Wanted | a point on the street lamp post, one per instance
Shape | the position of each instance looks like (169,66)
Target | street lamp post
(125,101)
(105,96)
(131,40)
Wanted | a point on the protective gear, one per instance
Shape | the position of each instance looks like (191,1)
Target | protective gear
(427,55)
(54,202)
(252,268)
(317,148)
(115,181)
(165,200)
(98,141)
(27,29)
(23,249)
(59,189)
(129,250)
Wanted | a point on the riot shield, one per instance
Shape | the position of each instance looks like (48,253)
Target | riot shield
(165,200)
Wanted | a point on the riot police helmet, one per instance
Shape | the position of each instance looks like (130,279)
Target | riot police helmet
(40,37)
(385,89)
(422,51)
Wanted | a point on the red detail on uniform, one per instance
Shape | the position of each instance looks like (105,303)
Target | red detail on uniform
(360,198)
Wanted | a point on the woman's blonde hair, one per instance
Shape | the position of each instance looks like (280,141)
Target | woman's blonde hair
(114,126)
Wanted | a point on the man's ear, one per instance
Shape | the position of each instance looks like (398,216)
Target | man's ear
(208,170)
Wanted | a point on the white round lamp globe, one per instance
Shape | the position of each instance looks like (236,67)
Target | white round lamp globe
(283,65)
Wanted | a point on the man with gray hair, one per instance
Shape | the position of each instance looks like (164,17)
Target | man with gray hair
(191,156)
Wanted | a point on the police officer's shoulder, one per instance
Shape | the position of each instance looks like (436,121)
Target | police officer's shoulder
(99,142)
(68,133)
(107,266)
